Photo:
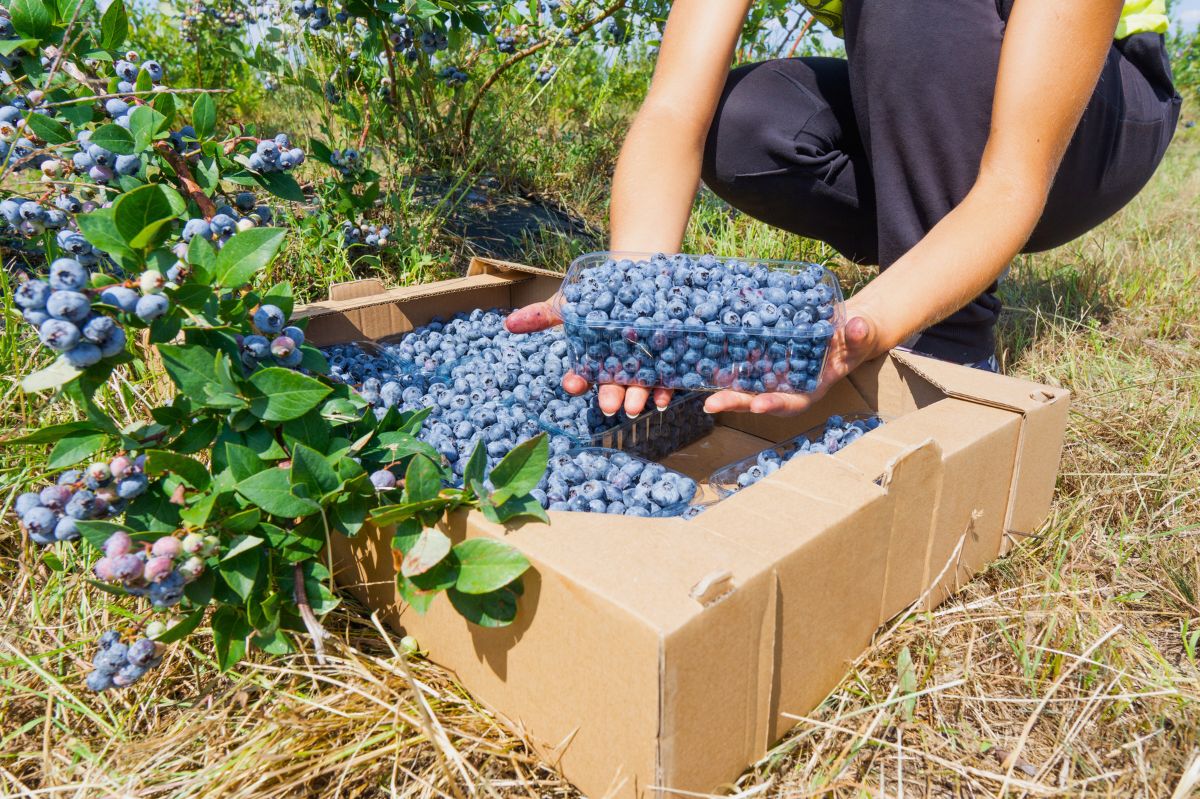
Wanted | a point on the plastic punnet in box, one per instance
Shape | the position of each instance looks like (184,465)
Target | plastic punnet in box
(652,435)
(599,480)
(836,433)
(699,322)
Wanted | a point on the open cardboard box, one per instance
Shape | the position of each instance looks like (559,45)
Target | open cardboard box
(660,655)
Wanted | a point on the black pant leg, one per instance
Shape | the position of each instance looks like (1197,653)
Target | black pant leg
(784,148)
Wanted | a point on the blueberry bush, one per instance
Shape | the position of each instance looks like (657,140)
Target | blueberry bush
(142,245)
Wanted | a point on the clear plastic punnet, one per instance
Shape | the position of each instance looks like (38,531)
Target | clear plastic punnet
(837,432)
(600,480)
(651,435)
(699,322)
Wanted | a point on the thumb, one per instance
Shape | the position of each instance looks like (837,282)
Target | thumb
(861,336)
(538,316)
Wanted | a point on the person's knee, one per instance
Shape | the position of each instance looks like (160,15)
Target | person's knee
(771,118)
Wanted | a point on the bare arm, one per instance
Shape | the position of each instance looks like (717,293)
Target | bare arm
(1049,64)
(1050,61)
(659,169)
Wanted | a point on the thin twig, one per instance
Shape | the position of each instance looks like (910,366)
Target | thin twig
(190,186)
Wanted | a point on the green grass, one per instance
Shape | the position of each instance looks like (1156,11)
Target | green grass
(1069,668)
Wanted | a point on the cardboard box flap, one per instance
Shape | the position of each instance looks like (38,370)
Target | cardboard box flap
(354,289)
(357,299)
(986,388)
(494,266)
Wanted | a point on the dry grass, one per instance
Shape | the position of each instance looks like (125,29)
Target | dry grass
(1070,668)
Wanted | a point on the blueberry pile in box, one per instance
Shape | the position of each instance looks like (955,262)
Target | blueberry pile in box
(699,322)
(651,435)
(836,433)
(597,480)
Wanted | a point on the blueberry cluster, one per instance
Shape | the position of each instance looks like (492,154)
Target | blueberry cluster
(127,70)
(617,30)
(315,16)
(61,308)
(609,481)
(506,43)
(100,491)
(275,155)
(283,346)
(836,433)
(231,17)
(99,164)
(373,237)
(29,219)
(227,221)
(346,161)
(157,571)
(453,77)
(18,151)
(545,73)
(119,665)
(699,323)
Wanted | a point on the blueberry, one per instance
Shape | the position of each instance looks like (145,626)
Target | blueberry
(151,307)
(59,335)
(269,319)
(71,306)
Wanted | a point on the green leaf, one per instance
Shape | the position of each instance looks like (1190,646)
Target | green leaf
(476,465)
(515,507)
(486,565)
(407,533)
(243,461)
(143,82)
(144,124)
(276,642)
(196,437)
(245,254)
(282,185)
(193,369)
(239,569)
(51,434)
(416,598)
(271,490)
(31,18)
(284,394)
(230,630)
(48,129)
(153,511)
(114,26)
(9,46)
(350,513)
(320,599)
(100,229)
(201,253)
(521,469)
(204,116)
(422,480)
(72,449)
(192,472)
(142,215)
(114,138)
(54,376)
(200,591)
(309,468)
(183,628)
(497,609)
(425,553)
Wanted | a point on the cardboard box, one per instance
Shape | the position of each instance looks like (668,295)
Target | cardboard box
(658,655)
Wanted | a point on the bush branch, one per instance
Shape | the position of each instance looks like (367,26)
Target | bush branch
(517,58)
(190,186)
(311,623)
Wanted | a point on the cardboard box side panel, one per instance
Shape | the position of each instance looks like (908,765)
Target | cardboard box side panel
(1038,461)
(717,688)
(912,477)
(495,266)
(356,289)
(979,445)
(891,389)
(561,653)
(647,567)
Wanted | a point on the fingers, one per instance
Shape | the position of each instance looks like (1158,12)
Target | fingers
(781,404)
(531,318)
(728,401)
(635,400)
(776,404)
(612,397)
(574,384)
(662,398)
